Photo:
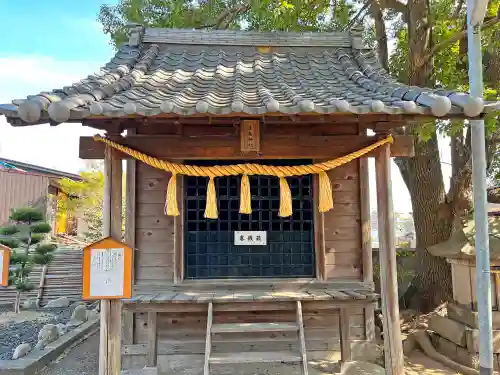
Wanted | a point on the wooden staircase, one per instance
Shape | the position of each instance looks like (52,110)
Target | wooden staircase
(255,357)
(63,278)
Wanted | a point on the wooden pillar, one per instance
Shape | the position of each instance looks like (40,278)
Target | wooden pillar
(130,204)
(345,333)
(110,338)
(393,348)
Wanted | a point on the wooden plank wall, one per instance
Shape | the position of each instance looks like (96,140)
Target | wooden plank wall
(154,258)
(181,336)
(342,233)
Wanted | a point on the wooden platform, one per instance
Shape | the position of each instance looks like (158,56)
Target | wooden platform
(196,293)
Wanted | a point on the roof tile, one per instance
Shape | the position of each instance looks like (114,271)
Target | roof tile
(221,72)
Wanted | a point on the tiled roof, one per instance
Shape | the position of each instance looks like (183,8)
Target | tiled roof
(14,165)
(186,72)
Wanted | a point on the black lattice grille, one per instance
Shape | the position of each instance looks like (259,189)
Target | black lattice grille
(209,244)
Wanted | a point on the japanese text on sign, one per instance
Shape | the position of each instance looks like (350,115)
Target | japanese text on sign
(252,238)
(107,268)
(250,136)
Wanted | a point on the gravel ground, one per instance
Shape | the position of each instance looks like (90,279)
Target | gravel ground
(14,334)
(82,359)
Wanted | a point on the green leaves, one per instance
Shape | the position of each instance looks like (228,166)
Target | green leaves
(43,259)
(35,238)
(23,285)
(262,15)
(26,215)
(18,257)
(9,230)
(9,242)
(46,248)
(40,228)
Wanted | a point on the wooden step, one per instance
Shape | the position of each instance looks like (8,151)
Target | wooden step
(254,357)
(254,327)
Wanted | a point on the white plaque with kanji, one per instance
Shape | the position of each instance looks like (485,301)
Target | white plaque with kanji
(250,238)
(107,267)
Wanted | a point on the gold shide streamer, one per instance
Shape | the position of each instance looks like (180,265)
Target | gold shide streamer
(325,186)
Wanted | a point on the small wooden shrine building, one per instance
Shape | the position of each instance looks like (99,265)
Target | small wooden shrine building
(245,262)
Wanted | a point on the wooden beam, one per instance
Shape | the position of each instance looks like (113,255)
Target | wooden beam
(130,204)
(110,335)
(179,235)
(152,354)
(393,349)
(366,243)
(344,331)
(228,147)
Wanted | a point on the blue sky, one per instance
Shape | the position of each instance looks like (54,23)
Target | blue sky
(48,44)
(63,29)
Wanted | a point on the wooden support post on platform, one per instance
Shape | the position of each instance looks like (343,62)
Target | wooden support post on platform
(110,339)
(393,348)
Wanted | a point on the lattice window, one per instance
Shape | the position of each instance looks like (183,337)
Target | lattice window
(210,252)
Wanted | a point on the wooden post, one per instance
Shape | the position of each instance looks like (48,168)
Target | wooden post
(109,348)
(345,344)
(393,348)
(152,353)
(130,204)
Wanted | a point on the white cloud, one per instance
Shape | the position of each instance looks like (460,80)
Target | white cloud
(23,75)
(52,147)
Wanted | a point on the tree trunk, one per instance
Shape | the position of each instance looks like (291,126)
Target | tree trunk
(17,302)
(41,284)
(433,223)
(423,176)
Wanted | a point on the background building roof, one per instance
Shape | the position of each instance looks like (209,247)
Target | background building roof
(13,165)
(192,72)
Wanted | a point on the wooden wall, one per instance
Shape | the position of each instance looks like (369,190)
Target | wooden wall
(342,228)
(181,336)
(154,236)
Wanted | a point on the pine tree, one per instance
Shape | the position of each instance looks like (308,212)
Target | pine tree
(27,232)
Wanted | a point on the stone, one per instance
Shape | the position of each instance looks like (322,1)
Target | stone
(21,351)
(58,303)
(362,367)
(467,316)
(449,329)
(472,339)
(47,334)
(61,329)
(366,350)
(92,315)
(76,304)
(409,345)
(79,316)
(467,359)
(447,348)
(30,304)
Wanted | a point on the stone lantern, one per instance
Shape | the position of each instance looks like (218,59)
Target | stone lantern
(456,334)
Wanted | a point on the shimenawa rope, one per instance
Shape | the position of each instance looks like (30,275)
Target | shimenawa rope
(325,187)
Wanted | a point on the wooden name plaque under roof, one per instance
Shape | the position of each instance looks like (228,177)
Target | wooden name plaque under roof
(169,72)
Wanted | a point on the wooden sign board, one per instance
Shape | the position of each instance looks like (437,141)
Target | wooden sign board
(107,270)
(250,136)
(4,265)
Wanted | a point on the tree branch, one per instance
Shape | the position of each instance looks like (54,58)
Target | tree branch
(492,21)
(378,17)
(357,15)
(394,5)
(225,18)
(458,9)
